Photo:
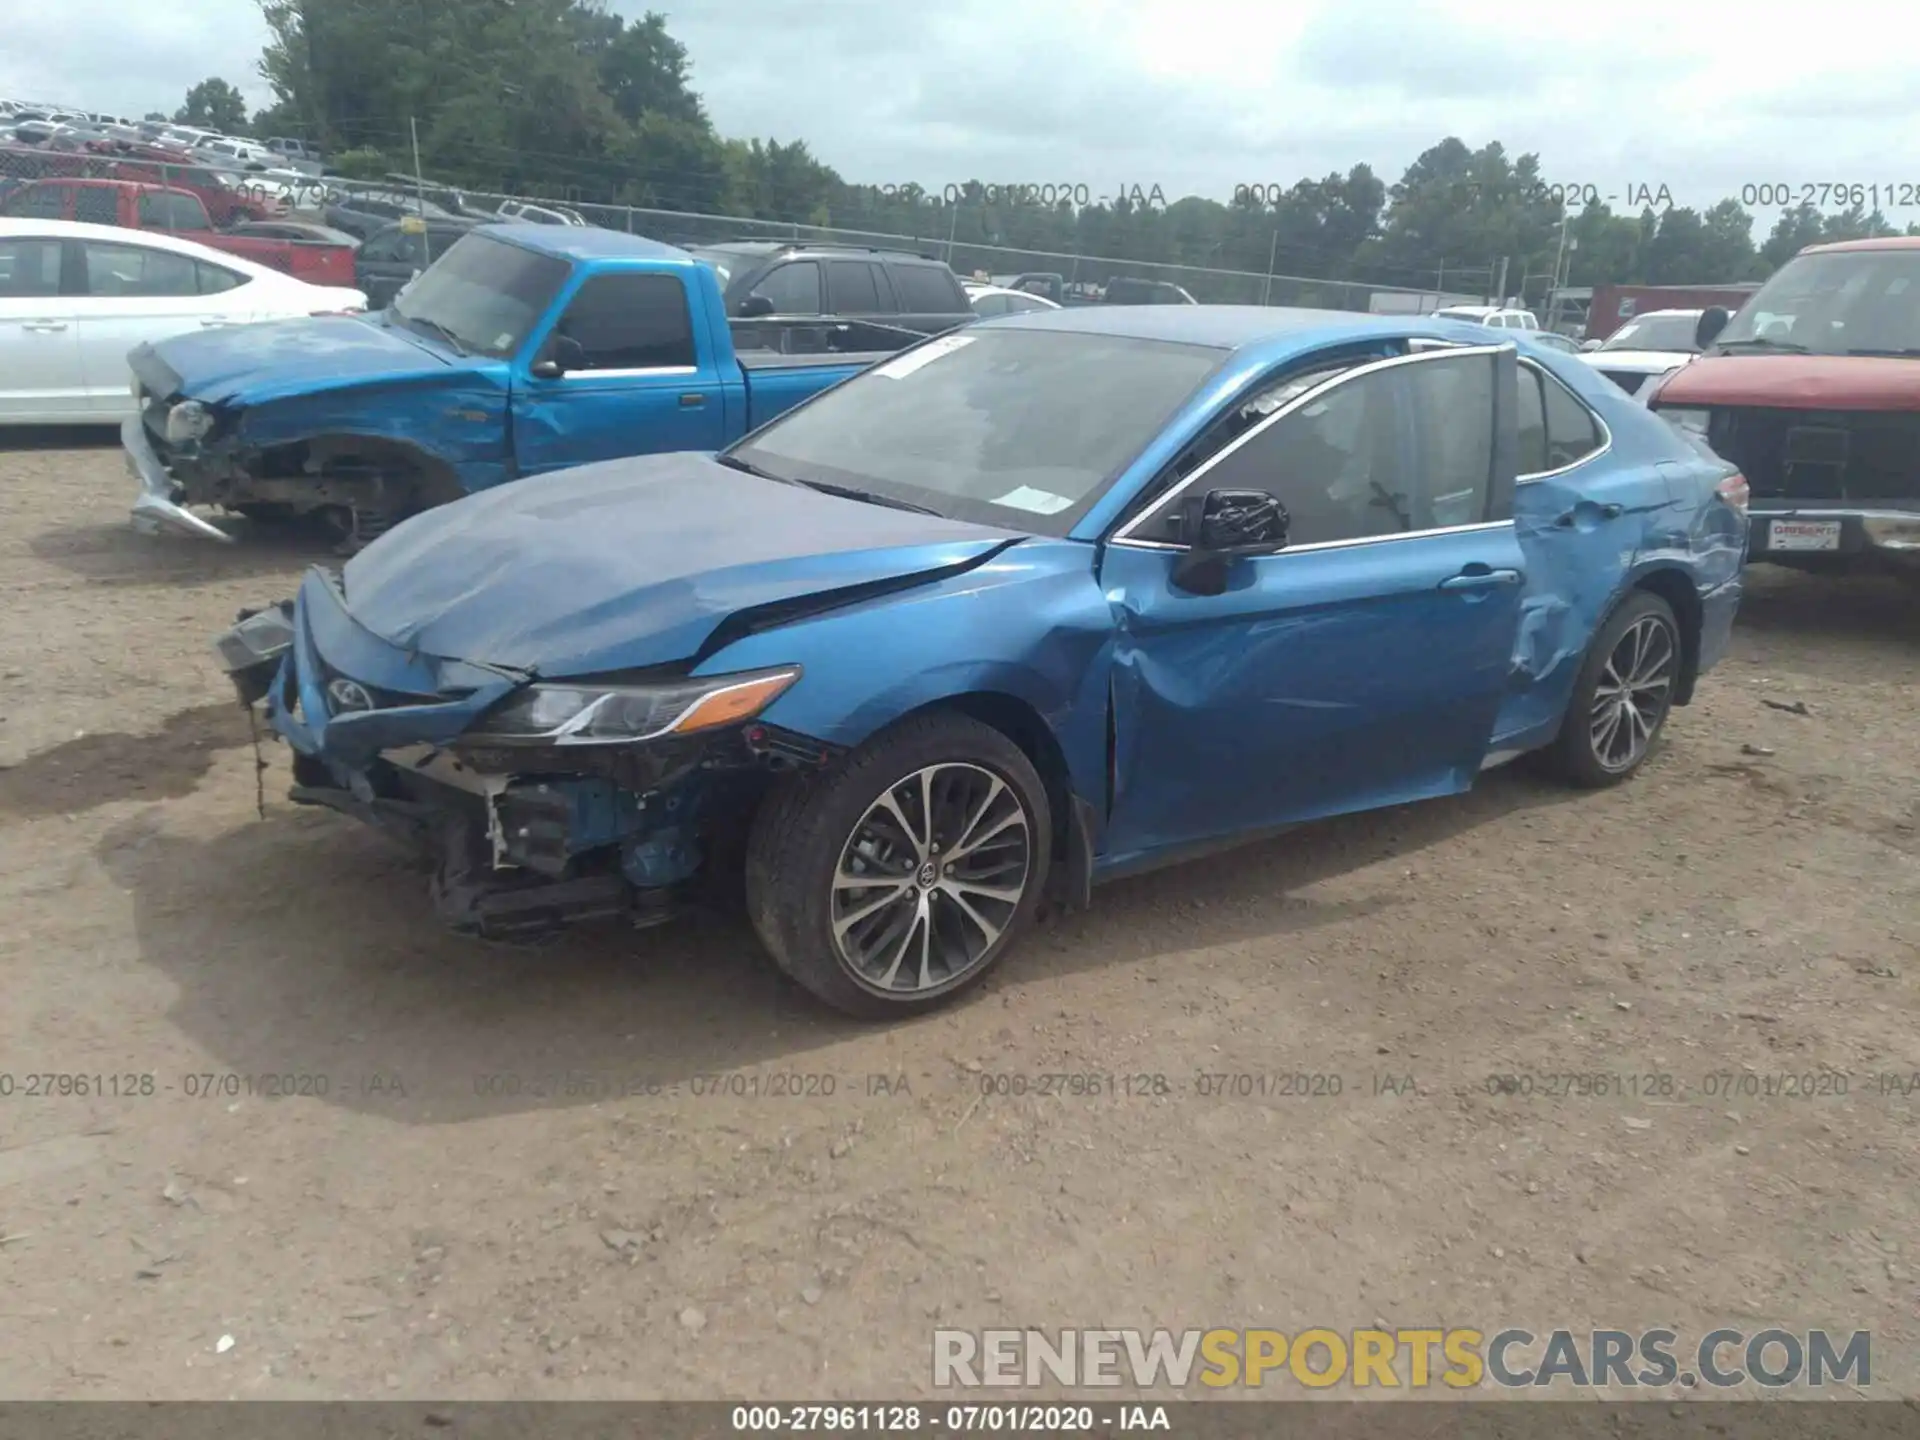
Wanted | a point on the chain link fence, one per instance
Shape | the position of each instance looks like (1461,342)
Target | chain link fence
(231,197)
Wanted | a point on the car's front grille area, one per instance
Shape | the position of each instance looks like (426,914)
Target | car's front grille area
(382,699)
(1628,380)
(1822,456)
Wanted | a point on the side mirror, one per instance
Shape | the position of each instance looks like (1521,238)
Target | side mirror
(1225,525)
(1711,322)
(756,306)
(563,353)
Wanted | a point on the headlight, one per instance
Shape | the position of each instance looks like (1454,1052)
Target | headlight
(623,714)
(1694,422)
(189,420)
(264,635)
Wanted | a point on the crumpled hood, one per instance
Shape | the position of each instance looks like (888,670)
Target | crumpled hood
(629,563)
(250,364)
(1797,382)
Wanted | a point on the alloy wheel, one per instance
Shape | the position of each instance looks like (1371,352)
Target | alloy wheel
(1633,693)
(930,878)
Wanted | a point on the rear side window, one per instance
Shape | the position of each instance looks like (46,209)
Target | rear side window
(135,270)
(794,288)
(852,287)
(1555,429)
(926,291)
(1572,432)
(631,322)
(213,279)
(29,267)
(96,205)
(985,305)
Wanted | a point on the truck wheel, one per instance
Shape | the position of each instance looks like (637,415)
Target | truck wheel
(1622,695)
(897,879)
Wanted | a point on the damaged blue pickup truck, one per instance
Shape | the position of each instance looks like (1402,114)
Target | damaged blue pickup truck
(523,349)
(1032,605)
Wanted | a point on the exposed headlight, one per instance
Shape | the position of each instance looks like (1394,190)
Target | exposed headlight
(623,714)
(1694,422)
(189,420)
(263,635)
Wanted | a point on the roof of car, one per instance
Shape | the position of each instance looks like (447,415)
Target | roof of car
(587,242)
(1880,242)
(1228,327)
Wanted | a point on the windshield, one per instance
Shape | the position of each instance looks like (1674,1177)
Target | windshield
(1835,304)
(483,294)
(1655,332)
(1021,428)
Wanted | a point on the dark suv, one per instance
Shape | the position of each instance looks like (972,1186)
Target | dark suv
(888,287)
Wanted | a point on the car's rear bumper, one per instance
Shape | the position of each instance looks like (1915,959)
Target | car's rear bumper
(156,509)
(1824,533)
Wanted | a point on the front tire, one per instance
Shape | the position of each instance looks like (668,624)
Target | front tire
(1622,696)
(897,879)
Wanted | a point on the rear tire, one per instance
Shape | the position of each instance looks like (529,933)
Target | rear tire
(898,878)
(1622,696)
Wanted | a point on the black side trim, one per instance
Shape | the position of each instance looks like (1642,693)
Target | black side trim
(1083,831)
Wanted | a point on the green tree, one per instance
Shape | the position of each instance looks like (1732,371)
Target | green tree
(214,104)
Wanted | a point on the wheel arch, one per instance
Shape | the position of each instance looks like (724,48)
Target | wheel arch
(1075,820)
(1671,584)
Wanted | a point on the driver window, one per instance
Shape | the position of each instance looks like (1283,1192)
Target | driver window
(1386,452)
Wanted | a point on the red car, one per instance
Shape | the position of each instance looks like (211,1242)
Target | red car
(1813,390)
(136,205)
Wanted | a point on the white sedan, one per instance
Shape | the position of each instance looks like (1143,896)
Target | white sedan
(994,300)
(74,299)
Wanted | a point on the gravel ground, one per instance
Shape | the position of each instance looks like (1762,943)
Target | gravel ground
(447,1220)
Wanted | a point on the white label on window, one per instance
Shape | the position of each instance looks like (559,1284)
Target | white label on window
(1039,502)
(905,365)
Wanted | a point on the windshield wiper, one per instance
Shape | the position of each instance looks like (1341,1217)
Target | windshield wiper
(437,328)
(1909,352)
(1763,343)
(735,463)
(871,497)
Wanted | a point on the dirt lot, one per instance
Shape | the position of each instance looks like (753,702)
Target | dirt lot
(433,1226)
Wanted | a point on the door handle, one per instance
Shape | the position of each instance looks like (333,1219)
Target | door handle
(1480,579)
(692,400)
(44,327)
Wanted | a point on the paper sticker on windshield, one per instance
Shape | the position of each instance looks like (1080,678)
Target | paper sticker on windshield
(906,364)
(1039,502)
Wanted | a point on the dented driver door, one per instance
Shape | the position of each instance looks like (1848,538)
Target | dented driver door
(1360,665)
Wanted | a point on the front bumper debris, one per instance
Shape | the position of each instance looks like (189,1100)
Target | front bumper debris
(156,509)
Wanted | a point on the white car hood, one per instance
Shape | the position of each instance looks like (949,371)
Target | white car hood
(1637,362)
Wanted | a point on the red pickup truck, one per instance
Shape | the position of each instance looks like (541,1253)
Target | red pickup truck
(1813,390)
(136,205)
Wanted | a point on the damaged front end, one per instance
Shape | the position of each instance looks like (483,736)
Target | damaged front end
(538,804)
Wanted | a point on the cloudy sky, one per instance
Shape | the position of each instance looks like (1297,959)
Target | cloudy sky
(1194,96)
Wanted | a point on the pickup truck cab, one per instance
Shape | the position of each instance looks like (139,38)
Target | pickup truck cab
(1813,390)
(170,210)
(523,349)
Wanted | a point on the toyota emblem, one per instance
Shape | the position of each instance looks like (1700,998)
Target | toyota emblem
(348,696)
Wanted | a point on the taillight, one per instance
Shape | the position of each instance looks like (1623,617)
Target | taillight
(1735,491)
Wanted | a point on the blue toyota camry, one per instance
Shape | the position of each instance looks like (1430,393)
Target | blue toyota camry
(1027,607)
